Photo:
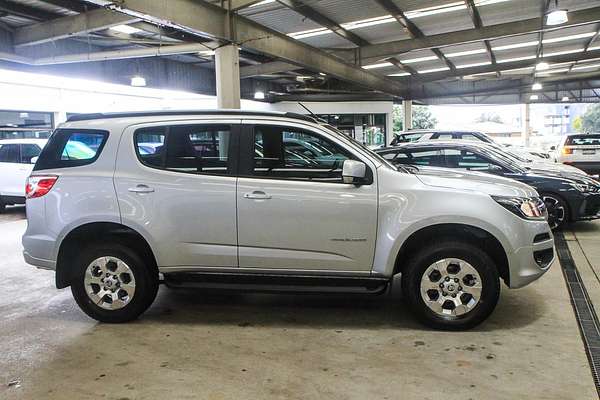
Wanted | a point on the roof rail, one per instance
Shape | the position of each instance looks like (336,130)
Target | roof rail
(92,116)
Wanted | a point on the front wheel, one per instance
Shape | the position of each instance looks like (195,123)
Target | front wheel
(452,285)
(557,210)
(112,283)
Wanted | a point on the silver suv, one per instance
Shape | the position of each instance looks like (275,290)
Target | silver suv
(264,201)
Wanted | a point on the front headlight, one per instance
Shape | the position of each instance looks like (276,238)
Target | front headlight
(583,188)
(528,208)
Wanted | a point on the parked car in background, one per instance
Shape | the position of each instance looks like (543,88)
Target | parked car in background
(425,135)
(579,150)
(17,157)
(568,197)
(267,201)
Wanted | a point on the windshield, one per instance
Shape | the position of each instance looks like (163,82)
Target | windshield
(506,159)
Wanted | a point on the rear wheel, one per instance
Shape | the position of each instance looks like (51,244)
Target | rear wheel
(112,283)
(558,215)
(452,285)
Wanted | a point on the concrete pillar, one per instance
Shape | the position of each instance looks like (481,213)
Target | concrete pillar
(525,123)
(227,67)
(58,118)
(407,108)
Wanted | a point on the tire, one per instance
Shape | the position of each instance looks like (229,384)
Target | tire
(2,206)
(135,276)
(558,210)
(472,261)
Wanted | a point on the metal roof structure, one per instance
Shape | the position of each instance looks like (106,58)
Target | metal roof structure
(430,51)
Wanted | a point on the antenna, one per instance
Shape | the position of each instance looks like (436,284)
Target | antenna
(307,109)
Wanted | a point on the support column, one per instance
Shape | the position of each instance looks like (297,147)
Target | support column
(407,121)
(525,123)
(58,118)
(227,67)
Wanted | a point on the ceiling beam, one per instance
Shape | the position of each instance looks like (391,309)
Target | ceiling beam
(24,11)
(436,76)
(478,24)
(71,25)
(72,5)
(240,4)
(207,20)
(376,52)
(274,67)
(301,8)
(412,29)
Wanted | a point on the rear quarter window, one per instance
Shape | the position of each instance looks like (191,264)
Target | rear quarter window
(72,148)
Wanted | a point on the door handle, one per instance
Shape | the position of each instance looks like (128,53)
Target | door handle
(141,189)
(257,194)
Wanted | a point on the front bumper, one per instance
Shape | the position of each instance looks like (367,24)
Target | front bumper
(591,167)
(589,207)
(534,258)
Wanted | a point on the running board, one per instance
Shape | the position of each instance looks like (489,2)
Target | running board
(276,283)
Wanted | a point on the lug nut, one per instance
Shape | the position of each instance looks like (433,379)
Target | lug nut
(453,294)
(447,279)
(460,288)
(444,294)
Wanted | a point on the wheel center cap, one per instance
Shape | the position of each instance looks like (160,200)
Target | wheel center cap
(451,287)
(109,282)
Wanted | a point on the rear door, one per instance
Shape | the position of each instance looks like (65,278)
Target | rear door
(13,173)
(176,182)
(294,211)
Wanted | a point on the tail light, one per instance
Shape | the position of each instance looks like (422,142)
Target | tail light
(39,185)
(566,150)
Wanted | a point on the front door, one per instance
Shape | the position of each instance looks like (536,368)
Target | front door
(176,183)
(294,211)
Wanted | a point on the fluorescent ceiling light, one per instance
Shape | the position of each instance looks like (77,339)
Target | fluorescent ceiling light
(557,17)
(542,66)
(506,60)
(558,53)
(565,98)
(126,29)
(380,65)
(479,64)
(309,33)
(138,81)
(579,67)
(515,45)
(418,59)
(400,74)
(569,37)
(422,12)
(534,97)
(384,19)
(259,95)
(207,53)
(465,53)
(553,71)
(536,86)
(427,71)
(262,3)
(322,74)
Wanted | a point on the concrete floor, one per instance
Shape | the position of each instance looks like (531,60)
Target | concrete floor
(195,346)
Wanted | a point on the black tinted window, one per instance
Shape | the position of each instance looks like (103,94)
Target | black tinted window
(425,157)
(289,153)
(72,148)
(467,160)
(29,151)
(186,148)
(583,140)
(9,153)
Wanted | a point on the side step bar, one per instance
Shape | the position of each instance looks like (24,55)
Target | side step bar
(276,283)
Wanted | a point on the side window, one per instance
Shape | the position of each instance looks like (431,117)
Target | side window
(469,136)
(29,151)
(198,149)
(71,148)
(290,153)
(9,153)
(467,160)
(425,157)
(442,136)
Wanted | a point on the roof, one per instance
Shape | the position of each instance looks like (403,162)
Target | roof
(87,117)
(23,141)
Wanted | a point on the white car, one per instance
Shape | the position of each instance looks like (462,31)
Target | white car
(581,151)
(17,157)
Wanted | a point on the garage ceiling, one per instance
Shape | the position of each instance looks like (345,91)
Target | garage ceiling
(432,51)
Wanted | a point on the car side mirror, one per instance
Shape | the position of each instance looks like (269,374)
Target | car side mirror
(354,172)
(33,160)
(552,148)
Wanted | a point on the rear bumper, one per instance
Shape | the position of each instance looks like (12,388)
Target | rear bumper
(39,262)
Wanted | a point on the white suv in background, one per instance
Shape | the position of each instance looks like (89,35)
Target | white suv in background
(17,157)
(581,151)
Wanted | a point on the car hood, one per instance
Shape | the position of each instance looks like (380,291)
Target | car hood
(474,181)
(564,170)
(564,175)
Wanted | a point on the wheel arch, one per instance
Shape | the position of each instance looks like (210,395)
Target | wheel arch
(472,234)
(92,232)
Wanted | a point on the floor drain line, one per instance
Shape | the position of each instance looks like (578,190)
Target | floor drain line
(582,306)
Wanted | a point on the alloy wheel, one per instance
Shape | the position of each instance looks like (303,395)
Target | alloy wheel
(556,211)
(109,282)
(451,287)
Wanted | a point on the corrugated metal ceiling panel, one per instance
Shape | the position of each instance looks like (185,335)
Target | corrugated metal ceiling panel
(446,22)
(331,40)
(284,20)
(382,33)
(46,7)
(509,11)
(342,11)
